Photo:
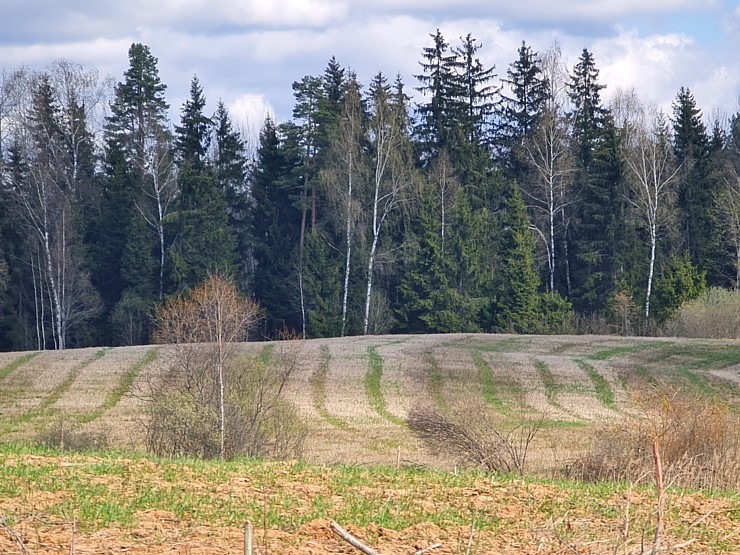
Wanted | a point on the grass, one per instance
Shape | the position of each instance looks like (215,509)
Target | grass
(606,354)
(548,380)
(124,386)
(100,494)
(487,383)
(373,390)
(604,392)
(54,395)
(8,369)
(318,390)
(435,384)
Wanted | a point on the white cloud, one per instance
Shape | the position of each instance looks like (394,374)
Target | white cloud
(248,113)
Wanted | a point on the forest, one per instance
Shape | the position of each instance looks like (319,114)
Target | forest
(477,199)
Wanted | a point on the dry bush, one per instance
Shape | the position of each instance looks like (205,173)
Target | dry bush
(475,436)
(714,315)
(699,443)
(67,436)
(213,400)
(184,416)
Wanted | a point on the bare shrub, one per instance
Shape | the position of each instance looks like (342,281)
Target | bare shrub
(474,436)
(714,315)
(67,436)
(700,446)
(214,400)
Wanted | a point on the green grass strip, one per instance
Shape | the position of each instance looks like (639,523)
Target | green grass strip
(373,379)
(623,350)
(124,386)
(265,355)
(318,390)
(604,392)
(8,369)
(435,385)
(548,380)
(57,392)
(487,383)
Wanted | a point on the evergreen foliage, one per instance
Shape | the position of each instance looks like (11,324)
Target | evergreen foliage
(519,203)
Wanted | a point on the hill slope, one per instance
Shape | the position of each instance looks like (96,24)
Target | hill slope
(354,393)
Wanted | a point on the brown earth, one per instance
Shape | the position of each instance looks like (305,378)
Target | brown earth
(511,517)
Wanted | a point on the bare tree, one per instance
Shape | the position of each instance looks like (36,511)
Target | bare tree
(548,152)
(158,185)
(446,187)
(389,171)
(45,182)
(205,328)
(649,156)
(341,177)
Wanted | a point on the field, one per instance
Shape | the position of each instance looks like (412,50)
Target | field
(362,466)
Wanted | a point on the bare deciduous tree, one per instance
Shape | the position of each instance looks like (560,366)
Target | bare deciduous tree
(648,155)
(215,400)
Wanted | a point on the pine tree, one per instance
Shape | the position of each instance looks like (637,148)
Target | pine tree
(139,166)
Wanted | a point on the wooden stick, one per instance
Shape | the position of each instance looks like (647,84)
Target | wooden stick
(661,495)
(248,538)
(350,539)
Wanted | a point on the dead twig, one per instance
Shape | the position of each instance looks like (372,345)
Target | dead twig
(661,496)
(14,536)
(350,539)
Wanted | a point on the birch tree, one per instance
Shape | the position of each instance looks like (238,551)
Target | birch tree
(389,172)
(648,155)
(206,328)
(343,176)
(51,146)
(158,187)
(548,152)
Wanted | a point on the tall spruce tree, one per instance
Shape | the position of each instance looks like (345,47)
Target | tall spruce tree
(439,116)
(521,108)
(203,240)
(229,165)
(276,226)
(589,127)
(692,150)
(515,301)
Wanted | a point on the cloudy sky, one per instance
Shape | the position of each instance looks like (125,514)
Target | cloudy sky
(248,52)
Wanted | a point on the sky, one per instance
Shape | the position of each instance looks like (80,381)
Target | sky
(247,53)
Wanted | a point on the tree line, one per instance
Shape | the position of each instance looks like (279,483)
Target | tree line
(522,202)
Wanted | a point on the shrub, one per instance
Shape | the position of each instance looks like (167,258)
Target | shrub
(67,436)
(474,436)
(184,415)
(698,440)
(214,401)
(714,315)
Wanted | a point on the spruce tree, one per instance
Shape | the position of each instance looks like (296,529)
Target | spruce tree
(515,301)
(696,187)
(203,241)
(276,226)
(521,108)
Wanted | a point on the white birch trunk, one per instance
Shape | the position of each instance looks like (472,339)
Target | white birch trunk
(349,244)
